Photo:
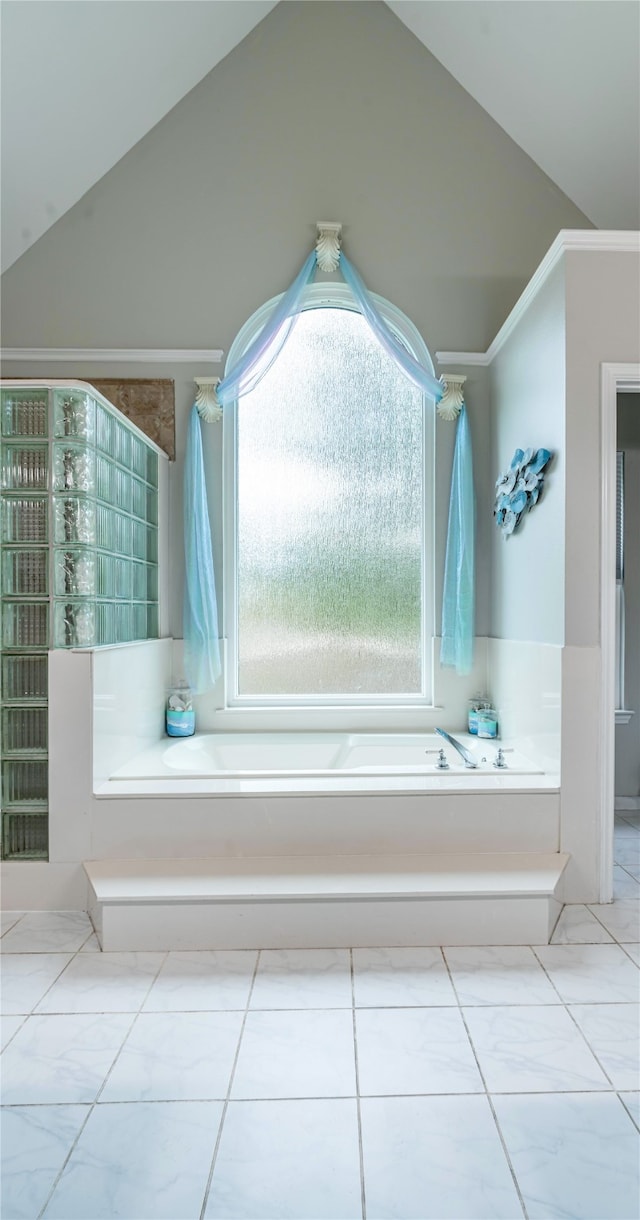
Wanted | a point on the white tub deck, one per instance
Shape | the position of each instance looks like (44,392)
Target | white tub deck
(252,763)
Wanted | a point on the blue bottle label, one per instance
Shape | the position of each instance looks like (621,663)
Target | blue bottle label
(180,724)
(487,727)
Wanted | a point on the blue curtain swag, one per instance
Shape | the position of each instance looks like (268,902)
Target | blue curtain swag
(200,625)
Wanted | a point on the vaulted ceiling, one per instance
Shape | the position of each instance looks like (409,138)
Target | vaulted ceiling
(84,80)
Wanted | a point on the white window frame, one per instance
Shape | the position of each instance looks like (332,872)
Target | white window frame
(319,296)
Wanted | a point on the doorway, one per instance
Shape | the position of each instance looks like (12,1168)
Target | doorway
(615,379)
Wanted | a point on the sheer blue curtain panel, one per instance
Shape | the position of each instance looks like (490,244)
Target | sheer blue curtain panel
(200,612)
(458,598)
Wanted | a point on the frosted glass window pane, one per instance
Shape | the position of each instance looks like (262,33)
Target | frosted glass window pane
(330,501)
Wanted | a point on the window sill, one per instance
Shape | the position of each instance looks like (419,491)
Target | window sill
(623,715)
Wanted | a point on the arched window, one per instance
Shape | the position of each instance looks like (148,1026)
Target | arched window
(328,581)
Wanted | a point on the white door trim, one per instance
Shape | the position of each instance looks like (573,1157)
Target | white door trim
(614,379)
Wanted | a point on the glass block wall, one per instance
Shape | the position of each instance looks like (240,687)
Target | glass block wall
(79,566)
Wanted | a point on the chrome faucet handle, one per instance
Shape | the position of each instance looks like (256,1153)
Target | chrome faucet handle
(499,758)
(442,764)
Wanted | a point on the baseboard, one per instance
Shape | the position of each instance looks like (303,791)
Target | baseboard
(37,885)
(630,803)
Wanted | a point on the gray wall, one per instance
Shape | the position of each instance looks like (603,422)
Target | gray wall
(326,111)
(627,781)
(527,394)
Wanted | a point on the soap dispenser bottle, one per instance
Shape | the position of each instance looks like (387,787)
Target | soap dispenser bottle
(487,721)
(180,716)
(475,703)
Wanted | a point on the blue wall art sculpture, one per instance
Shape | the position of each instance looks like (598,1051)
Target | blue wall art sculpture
(520,487)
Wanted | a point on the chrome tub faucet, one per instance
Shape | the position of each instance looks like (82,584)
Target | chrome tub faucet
(469,760)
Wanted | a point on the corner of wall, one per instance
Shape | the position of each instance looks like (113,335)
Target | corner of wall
(525,683)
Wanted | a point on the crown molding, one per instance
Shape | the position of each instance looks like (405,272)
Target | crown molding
(112,355)
(603,241)
(468,358)
(596,241)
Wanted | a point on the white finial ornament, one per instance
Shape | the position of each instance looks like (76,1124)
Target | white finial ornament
(328,245)
(207,404)
(452,400)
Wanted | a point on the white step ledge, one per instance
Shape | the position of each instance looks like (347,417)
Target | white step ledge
(318,878)
(338,901)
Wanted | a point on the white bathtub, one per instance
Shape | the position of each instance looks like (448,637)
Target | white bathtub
(347,762)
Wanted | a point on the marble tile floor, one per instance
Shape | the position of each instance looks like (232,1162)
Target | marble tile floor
(414,1084)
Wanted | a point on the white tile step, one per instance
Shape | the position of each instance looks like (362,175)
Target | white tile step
(323,878)
(289,901)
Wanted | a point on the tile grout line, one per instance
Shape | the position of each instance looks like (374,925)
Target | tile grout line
(546,972)
(566,1003)
(486,1091)
(450,975)
(225,1104)
(624,948)
(92,1105)
(592,1051)
(131,1027)
(568,907)
(87,939)
(32,1012)
(8,954)
(363,1197)
(12,925)
(23,914)
(627,871)
(555,925)
(634,826)
(150,1012)
(633,1120)
(241,1101)
(22,1016)
(585,944)
(582,945)
(567,1008)
(603,925)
